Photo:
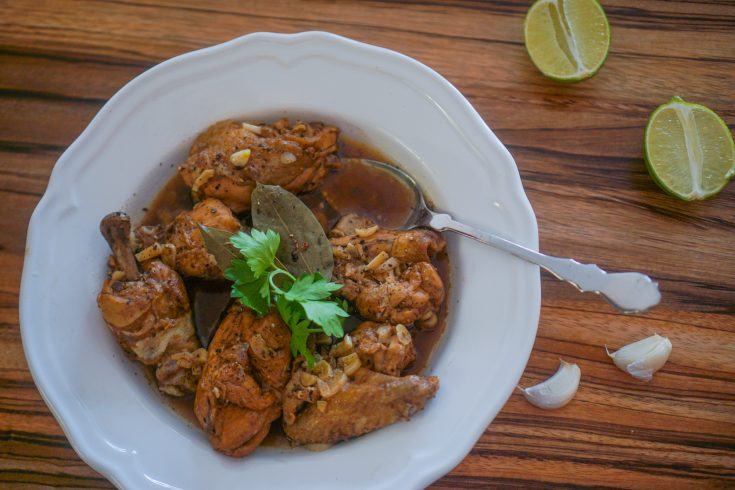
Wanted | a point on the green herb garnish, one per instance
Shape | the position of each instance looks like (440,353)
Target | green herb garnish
(260,279)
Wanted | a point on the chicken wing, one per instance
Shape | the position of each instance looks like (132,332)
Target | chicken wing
(339,398)
(148,311)
(388,274)
(239,393)
(367,402)
(228,159)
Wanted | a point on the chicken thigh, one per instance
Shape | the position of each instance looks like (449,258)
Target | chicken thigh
(180,244)
(228,159)
(191,257)
(239,394)
(388,274)
(148,312)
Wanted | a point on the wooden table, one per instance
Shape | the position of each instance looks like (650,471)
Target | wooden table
(578,149)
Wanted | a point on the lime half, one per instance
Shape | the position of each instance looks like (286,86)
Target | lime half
(567,40)
(689,150)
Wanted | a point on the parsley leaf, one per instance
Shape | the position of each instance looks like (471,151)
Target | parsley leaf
(252,291)
(259,280)
(311,287)
(250,295)
(258,248)
(239,272)
(326,314)
(293,315)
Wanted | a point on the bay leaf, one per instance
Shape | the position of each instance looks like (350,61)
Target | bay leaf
(304,247)
(218,245)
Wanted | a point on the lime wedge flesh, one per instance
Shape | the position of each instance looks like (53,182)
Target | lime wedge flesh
(567,40)
(689,150)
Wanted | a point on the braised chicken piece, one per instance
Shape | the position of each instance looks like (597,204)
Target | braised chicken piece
(228,159)
(388,274)
(239,393)
(386,349)
(338,399)
(180,244)
(148,312)
(192,257)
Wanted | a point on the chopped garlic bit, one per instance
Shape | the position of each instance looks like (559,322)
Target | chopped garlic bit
(168,255)
(350,363)
(240,158)
(308,379)
(404,336)
(643,358)
(556,391)
(328,389)
(149,252)
(322,369)
(384,334)
(366,232)
(287,157)
(251,127)
(344,347)
(117,276)
(428,320)
(377,260)
(202,179)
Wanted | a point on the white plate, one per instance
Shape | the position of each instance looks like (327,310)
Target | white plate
(115,421)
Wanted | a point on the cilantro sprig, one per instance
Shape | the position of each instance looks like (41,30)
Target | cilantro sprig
(260,280)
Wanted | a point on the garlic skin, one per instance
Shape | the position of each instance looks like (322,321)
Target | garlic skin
(643,358)
(556,391)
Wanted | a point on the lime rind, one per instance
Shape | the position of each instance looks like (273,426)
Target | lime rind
(586,72)
(677,103)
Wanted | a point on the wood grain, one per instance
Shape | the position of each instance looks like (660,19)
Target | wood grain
(578,149)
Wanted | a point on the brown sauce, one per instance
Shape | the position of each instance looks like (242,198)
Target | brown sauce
(426,341)
(173,198)
(276,437)
(184,407)
(365,191)
(352,188)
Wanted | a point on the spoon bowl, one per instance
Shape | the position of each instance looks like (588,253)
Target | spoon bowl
(629,292)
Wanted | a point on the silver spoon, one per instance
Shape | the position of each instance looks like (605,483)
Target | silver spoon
(630,292)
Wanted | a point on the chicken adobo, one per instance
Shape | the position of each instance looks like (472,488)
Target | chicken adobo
(277,350)
(228,159)
(366,402)
(388,274)
(355,387)
(239,393)
(192,258)
(148,311)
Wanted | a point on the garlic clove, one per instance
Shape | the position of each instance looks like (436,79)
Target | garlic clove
(556,391)
(643,358)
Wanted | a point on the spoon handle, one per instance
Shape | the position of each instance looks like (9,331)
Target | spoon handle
(630,292)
